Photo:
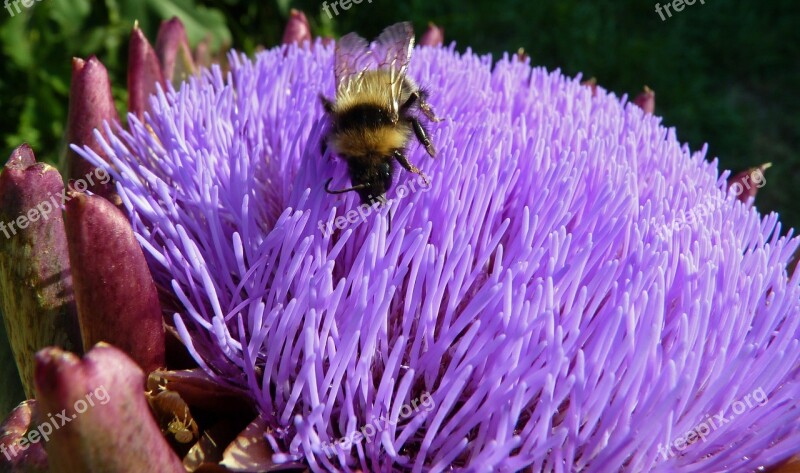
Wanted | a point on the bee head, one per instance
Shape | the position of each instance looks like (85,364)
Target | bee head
(377,181)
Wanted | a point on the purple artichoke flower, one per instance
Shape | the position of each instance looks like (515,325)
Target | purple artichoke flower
(527,310)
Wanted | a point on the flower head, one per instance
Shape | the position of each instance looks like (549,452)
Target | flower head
(526,309)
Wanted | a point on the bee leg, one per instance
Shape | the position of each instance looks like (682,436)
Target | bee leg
(403,160)
(428,111)
(421,96)
(422,136)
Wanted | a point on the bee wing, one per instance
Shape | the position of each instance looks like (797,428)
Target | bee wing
(392,50)
(352,57)
(393,47)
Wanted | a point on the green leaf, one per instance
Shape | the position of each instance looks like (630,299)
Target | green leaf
(198,20)
(69,15)
(16,43)
(284,6)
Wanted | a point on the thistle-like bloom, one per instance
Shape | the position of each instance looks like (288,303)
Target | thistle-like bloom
(527,310)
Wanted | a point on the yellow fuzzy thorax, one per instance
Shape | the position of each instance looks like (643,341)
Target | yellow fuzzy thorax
(373,87)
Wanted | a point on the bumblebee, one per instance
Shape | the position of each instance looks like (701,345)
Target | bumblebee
(376,111)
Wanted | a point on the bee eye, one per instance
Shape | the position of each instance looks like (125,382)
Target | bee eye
(386,170)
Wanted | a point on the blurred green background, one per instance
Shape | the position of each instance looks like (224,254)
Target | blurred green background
(724,73)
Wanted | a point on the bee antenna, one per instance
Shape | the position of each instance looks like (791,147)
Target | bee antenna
(342,191)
